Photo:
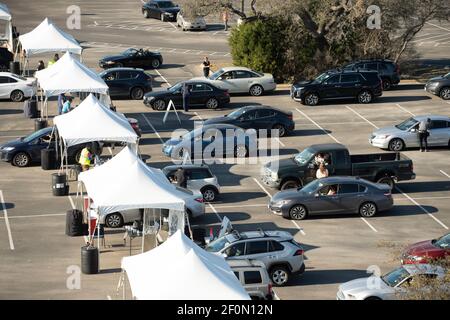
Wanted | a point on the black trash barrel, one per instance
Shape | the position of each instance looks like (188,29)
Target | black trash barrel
(30,108)
(40,124)
(89,260)
(14,67)
(60,185)
(74,223)
(48,159)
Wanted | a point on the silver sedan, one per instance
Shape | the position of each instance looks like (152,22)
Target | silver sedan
(405,135)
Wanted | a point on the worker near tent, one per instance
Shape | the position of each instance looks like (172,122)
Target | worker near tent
(53,61)
(86,157)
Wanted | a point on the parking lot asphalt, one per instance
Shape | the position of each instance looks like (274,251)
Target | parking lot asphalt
(37,258)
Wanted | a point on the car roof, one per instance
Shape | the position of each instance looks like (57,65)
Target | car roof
(350,71)
(372,60)
(220,126)
(423,268)
(256,107)
(260,234)
(124,69)
(226,69)
(432,117)
(8,74)
(187,166)
(328,146)
(343,179)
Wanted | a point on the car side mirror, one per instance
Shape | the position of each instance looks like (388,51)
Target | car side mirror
(224,255)
(317,195)
(219,78)
(413,130)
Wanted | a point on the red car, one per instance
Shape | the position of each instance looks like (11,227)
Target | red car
(426,251)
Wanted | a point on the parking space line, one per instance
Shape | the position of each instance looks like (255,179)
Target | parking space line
(299,228)
(370,226)
(162,77)
(445,173)
(240,206)
(422,208)
(439,27)
(38,216)
(264,189)
(215,211)
(359,115)
(317,125)
(153,128)
(398,105)
(8,227)
(72,203)
(280,142)
(198,116)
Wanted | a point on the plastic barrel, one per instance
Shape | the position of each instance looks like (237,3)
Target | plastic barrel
(48,159)
(39,124)
(60,185)
(14,67)
(74,223)
(33,108)
(89,260)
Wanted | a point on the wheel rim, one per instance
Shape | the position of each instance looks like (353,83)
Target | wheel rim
(155,63)
(16,96)
(298,212)
(445,94)
(114,220)
(312,99)
(212,104)
(387,181)
(160,105)
(279,277)
(386,85)
(256,91)
(241,151)
(396,145)
(365,97)
(281,130)
(290,185)
(21,160)
(209,195)
(138,94)
(368,210)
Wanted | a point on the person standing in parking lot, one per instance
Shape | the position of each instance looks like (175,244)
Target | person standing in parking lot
(61,101)
(225,18)
(424,126)
(85,158)
(186,93)
(180,177)
(206,67)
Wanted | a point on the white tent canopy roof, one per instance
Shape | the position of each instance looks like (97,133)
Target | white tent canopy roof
(70,75)
(190,273)
(4,12)
(47,37)
(106,125)
(126,182)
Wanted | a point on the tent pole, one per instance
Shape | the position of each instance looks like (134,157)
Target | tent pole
(98,237)
(143,229)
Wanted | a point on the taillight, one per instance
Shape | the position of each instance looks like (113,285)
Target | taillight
(388,194)
(269,288)
(199,200)
(299,252)
(397,68)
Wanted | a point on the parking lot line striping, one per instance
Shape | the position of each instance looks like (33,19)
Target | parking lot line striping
(445,173)
(8,227)
(317,125)
(72,203)
(422,208)
(198,116)
(153,128)
(38,216)
(439,27)
(162,77)
(279,141)
(406,110)
(264,189)
(215,211)
(299,228)
(362,117)
(371,227)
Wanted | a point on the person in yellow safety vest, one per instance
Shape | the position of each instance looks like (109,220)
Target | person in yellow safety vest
(53,61)
(85,159)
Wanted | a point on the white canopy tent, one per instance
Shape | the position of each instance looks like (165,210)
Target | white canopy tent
(7,34)
(180,270)
(108,125)
(47,37)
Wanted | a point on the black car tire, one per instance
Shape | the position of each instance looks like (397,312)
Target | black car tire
(159,105)
(137,93)
(146,14)
(396,145)
(387,180)
(114,220)
(445,93)
(17,96)
(279,275)
(311,99)
(21,160)
(256,90)
(212,103)
(156,63)
(290,184)
(387,85)
(281,129)
(239,151)
(372,298)
(368,209)
(209,194)
(298,212)
(365,97)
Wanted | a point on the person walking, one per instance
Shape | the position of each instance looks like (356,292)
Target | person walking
(85,158)
(186,94)
(206,67)
(180,177)
(67,105)
(61,100)
(424,126)
(225,18)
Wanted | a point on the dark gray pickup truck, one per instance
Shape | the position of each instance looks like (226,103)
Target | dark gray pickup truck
(301,169)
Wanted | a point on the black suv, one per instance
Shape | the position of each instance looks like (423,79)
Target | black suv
(439,86)
(164,10)
(127,82)
(388,70)
(339,84)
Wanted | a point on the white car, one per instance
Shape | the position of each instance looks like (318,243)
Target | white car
(194,205)
(185,23)
(404,135)
(242,80)
(389,286)
(15,87)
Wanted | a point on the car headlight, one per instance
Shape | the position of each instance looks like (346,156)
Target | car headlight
(432,84)
(150,98)
(416,258)
(383,136)
(274,175)
(109,62)
(281,203)
(8,148)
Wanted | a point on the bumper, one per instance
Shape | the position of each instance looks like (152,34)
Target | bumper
(268,181)
(385,205)
(198,209)
(270,87)
(433,90)
(406,177)
(5,156)
(195,27)
(104,65)
(379,143)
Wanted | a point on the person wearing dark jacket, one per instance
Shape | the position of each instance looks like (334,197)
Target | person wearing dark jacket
(180,177)
(424,126)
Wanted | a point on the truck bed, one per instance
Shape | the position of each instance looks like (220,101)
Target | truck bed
(377,157)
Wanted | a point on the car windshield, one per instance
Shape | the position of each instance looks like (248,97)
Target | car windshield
(312,187)
(396,276)
(322,78)
(176,87)
(215,74)
(129,52)
(443,242)
(447,75)
(303,157)
(37,134)
(217,245)
(166,4)
(407,124)
(237,113)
